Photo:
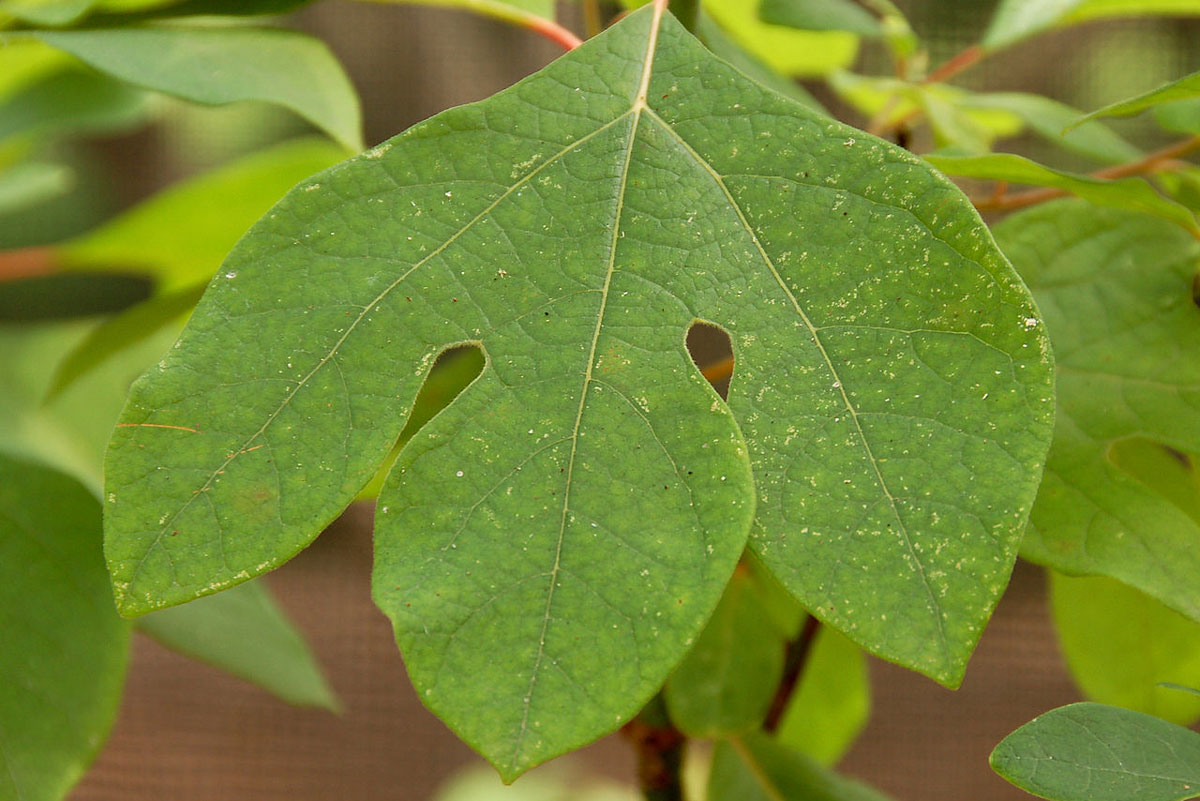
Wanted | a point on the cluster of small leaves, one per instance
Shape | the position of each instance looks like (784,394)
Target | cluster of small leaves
(588,523)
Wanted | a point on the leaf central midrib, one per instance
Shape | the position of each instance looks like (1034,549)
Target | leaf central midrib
(636,109)
(838,383)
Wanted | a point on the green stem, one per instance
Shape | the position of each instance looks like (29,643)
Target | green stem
(659,747)
(687,12)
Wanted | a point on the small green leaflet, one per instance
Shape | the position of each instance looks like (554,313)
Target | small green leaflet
(1092,752)
(1117,293)
(757,768)
(820,15)
(1047,118)
(245,632)
(271,65)
(63,660)
(549,545)
(1186,88)
(830,706)
(1017,19)
(1133,194)
(727,680)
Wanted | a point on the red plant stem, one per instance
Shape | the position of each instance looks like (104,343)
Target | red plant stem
(957,64)
(26,262)
(1150,163)
(552,31)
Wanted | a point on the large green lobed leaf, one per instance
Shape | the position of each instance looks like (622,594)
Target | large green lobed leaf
(64,651)
(550,544)
(1117,292)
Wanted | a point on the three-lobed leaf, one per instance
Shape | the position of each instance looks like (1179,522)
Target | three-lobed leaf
(549,544)
(1093,752)
(64,651)
(1116,290)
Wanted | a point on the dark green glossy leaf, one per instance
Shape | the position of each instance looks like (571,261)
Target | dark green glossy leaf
(276,66)
(831,704)
(757,768)
(1120,644)
(1117,293)
(244,632)
(63,660)
(1132,194)
(726,682)
(549,544)
(1092,752)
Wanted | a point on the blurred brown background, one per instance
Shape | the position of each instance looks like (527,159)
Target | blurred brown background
(190,733)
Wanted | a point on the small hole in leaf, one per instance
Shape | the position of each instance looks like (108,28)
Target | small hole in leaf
(1168,472)
(712,351)
(453,371)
